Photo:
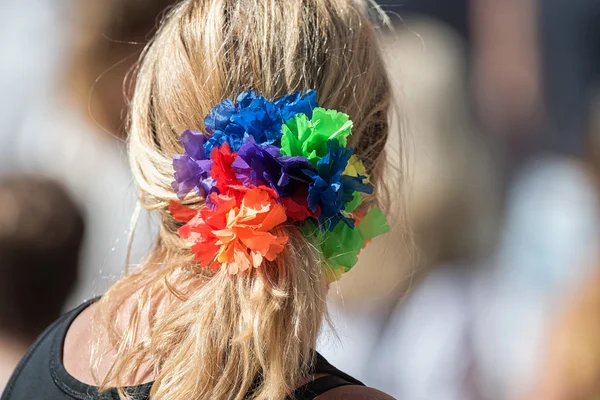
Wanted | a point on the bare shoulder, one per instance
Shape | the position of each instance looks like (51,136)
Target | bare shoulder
(354,393)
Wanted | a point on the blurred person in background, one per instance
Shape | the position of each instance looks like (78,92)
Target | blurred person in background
(452,14)
(499,314)
(32,30)
(452,207)
(571,364)
(41,231)
(72,131)
(570,63)
(453,213)
(571,368)
(536,65)
(489,340)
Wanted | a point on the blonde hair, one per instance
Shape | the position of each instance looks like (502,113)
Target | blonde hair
(217,333)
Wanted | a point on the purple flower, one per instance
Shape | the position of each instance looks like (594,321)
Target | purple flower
(292,173)
(192,169)
(264,165)
(330,190)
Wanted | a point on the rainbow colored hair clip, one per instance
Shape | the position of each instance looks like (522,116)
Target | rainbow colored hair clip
(261,164)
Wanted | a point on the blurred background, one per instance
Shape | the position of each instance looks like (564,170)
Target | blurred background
(489,285)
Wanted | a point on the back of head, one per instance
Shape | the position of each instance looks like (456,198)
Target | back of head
(218,333)
(41,231)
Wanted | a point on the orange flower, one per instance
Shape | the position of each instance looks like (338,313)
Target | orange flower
(236,237)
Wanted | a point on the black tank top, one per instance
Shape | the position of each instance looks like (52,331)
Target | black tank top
(42,375)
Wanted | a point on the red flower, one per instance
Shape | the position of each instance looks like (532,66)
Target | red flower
(296,207)
(221,170)
(232,235)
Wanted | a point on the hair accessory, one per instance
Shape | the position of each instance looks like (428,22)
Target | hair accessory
(262,164)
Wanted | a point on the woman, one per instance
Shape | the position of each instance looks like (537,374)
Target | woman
(270,201)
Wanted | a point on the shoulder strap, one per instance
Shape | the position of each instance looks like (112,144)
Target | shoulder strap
(336,378)
(322,366)
(319,386)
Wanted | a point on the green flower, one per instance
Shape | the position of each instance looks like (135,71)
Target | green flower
(353,204)
(308,137)
(341,246)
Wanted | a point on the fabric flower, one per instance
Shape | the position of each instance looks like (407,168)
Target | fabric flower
(181,213)
(353,204)
(260,119)
(341,246)
(295,103)
(199,227)
(264,165)
(219,124)
(330,189)
(223,174)
(296,206)
(218,118)
(234,140)
(236,237)
(245,98)
(253,116)
(308,137)
(356,167)
(192,169)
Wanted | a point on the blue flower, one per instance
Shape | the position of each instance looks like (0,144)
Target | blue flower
(260,119)
(295,103)
(253,115)
(192,169)
(218,118)
(245,98)
(234,140)
(220,126)
(330,190)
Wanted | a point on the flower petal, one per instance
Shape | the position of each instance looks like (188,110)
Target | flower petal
(180,212)
(276,248)
(205,252)
(308,137)
(274,217)
(193,143)
(257,259)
